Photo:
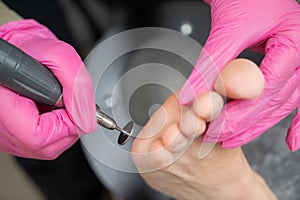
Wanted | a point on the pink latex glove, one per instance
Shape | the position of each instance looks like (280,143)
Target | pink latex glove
(26,132)
(271,27)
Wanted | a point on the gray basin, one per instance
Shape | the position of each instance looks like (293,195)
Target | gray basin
(133,84)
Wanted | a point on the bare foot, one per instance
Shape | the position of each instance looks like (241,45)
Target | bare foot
(166,153)
(174,128)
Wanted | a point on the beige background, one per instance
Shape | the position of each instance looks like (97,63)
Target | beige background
(14,183)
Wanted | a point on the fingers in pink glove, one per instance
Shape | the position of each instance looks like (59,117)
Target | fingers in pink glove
(64,62)
(51,152)
(78,92)
(244,120)
(267,122)
(207,68)
(24,131)
(237,25)
(293,136)
(226,41)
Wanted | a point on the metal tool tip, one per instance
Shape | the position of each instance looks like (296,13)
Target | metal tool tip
(126,133)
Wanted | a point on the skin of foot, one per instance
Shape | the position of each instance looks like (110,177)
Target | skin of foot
(172,159)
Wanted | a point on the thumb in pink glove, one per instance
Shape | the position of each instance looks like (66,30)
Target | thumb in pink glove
(272,27)
(23,130)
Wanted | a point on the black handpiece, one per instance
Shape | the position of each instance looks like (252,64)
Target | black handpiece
(24,75)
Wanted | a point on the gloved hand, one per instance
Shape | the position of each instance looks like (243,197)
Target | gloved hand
(271,27)
(26,132)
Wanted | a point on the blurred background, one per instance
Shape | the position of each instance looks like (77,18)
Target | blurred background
(15,183)
(82,23)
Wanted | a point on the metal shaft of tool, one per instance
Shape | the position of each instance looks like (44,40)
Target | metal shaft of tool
(107,122)
(121,130)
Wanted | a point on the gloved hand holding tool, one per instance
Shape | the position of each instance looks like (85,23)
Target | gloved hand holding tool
(271,27)
(24,131)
